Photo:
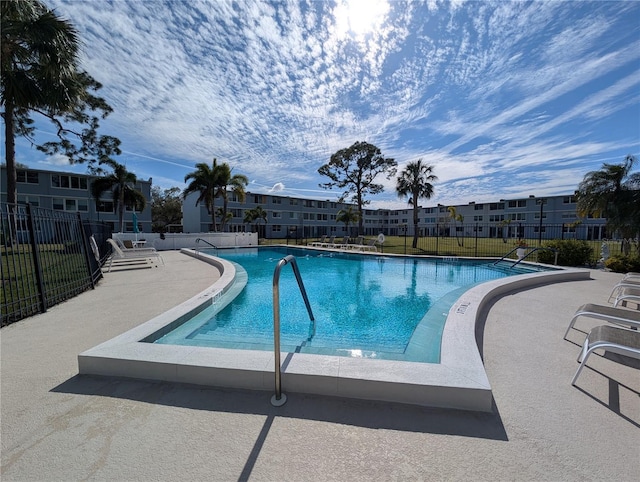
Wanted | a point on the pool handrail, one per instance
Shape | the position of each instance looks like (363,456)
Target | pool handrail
(206,242)
(279,398)
(532,250)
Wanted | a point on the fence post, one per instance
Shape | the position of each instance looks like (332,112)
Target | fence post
(87,250)
(476,247)
(36,259)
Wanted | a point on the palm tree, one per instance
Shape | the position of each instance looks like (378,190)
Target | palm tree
(204,180)
(453,213)
(614,193)
(348,216)
(122,185)
(415,181)
(38,70)
(255,214)
(237,182)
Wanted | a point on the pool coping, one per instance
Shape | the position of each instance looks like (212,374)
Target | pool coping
(459,381)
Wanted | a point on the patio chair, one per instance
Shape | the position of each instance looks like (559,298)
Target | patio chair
(118,256)
(344,244)
(626,294)
(320,242)
(630,282)
(328,242)
(359,243)
(618,316)
(611,339)
(128,245)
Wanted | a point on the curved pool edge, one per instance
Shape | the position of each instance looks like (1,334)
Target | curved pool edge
(459,381)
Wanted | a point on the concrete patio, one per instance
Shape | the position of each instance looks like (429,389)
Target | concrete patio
(58,426)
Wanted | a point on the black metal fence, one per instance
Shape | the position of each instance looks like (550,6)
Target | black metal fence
(45,258)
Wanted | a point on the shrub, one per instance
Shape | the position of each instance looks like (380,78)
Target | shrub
(620,263)
(571,252)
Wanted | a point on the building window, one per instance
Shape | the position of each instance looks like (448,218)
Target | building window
(478,207)
(569,200)
(276,200)
(33,200)
(28,177)
(68,182)
(58,204)
(105,207)
(293,202)
(276,228)
(495,206)
(276,214)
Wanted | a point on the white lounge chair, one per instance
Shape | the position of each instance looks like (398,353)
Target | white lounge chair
(625,283)
(626,294)
(320,242)
(118,256)
(127,244)
(618,316)
(612,339)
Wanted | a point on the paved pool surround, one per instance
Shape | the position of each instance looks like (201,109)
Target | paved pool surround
(459,381)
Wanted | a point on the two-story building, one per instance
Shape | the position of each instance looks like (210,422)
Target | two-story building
(63,191)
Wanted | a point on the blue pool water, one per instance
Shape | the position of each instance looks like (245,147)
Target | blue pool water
(366,306)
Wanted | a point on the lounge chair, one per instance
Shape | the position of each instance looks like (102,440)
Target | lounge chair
(118,256)
(361,246)
(328,243)
(359,242)
(127,245)
(344,244)
(320,242)
(625,283)
(626,294)
(618,316)
(612,339)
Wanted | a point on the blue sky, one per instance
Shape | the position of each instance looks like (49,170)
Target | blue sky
(504,99)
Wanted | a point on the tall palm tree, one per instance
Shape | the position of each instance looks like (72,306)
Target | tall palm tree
(614,193)
(255,214)
(455,217)
(121,183)
(38,67)
(204,180)
(225,180)
(348,216)
(415,181)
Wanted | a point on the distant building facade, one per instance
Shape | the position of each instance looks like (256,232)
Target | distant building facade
(294,217)
(71,192)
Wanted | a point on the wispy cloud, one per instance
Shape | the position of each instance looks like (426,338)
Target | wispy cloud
(498,96)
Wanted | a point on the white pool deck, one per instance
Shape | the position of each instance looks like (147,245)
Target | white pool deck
(59,425)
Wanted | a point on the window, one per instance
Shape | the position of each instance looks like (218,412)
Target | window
(276,200)
(276,214)
(322,204)
(58,204)
(276,228)
(478,207)
(83,205)
(293,202)
(293,215)
(518,204)
(70,205)
(28,177)
(105,207)
(308,203)
(496,206)
(33,200)
(68,182)
(477,218)
(569,200)
(258,198)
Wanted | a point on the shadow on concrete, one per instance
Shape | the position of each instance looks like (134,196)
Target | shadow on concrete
(362,413)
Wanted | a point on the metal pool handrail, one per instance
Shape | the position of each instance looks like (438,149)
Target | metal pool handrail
(280,398)
(207,242)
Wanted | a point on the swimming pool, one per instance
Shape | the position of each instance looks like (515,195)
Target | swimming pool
(390,308)
(458,381)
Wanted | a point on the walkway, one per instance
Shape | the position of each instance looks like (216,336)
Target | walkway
(58,426)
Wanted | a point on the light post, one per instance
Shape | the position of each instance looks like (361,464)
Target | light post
(541,202)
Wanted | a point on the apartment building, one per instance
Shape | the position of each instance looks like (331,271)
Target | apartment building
(294,217)
(71,192)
